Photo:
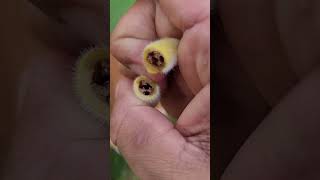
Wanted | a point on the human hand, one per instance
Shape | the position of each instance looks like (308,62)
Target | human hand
(154,147)
(189,21)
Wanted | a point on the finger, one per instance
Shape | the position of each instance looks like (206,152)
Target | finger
(164,26)
(153,148)
(194,56)
(134,31)
(125,102)
(143,23)
(193,19)
(177,94)
(194,122)
(185,14)
(283,146)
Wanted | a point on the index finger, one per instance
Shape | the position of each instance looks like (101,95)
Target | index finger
(134,31)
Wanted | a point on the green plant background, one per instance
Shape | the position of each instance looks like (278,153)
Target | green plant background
(117,9)
(119,168)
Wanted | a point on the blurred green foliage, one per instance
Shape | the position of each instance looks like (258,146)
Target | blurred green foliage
(117,9)
(119,168)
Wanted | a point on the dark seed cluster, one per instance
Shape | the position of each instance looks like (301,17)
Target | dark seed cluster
(155,58)
(145,88)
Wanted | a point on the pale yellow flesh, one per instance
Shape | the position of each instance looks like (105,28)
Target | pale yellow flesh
(168,48)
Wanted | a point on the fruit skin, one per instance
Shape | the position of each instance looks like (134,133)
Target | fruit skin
(152,99)
(168,48)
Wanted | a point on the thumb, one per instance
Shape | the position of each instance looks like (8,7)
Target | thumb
(152,146)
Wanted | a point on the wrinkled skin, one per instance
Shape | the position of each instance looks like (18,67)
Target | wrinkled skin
(153,147)
(266,72)
(246,100)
